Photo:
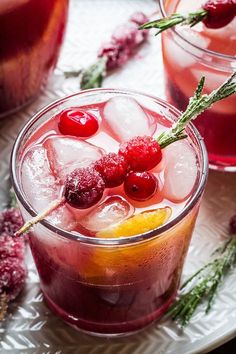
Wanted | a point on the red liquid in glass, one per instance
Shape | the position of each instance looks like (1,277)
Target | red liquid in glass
(210,54)
(116,289)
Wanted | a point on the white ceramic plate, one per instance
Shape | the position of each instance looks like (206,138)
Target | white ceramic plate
(30,326)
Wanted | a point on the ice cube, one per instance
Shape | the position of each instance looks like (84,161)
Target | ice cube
(66,154)
(180,171)
(126,118)
(113,210)
(63,218)
(38,182)
(178,57)
(41,187)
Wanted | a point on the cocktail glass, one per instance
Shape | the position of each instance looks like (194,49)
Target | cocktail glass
(109,286)
(186,59)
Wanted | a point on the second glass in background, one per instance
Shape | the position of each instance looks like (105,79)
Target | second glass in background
(187,58)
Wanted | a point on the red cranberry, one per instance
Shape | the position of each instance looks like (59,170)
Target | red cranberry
(112,168)
(142,153)
(140,185)
(76,122)
(220,13)
(84,188)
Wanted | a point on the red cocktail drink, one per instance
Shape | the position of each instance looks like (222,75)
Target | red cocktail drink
(30,39)
(189,54)
(115,267)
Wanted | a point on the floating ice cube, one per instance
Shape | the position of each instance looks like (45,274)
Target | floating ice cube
(180,172)
(41,187)
(111,211)
(126,118)
(67,154)
(63,218)
(214,78)
(179,57)
(38,182)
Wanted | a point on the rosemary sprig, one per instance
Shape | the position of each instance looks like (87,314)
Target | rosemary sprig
(207,281)
(93,76)
(197,104)
(174,19)
(72,73)
(12,199)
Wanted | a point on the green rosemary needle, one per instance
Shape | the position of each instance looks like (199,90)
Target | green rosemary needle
(163,24)
(205,282)
(197,104)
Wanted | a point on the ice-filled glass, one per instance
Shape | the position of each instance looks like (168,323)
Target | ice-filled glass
(97,273)
(30,39)
(189,54)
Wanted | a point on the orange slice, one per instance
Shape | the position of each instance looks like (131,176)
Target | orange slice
(137,224)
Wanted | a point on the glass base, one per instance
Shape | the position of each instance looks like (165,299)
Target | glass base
(82,325)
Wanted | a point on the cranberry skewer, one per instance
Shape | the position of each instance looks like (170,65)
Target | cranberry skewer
(76,190)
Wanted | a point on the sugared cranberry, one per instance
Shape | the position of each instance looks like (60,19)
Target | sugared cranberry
(10,221)
(112,168)
(232,224)
(142,153)
(12,277)
(76,122)
(11,247)
(220,13)
(84,188)
(140,185)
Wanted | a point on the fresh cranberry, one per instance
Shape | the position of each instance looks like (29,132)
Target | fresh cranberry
(84,188)
(112,168)
(76,122)
(142,153)
(220,13)
(140,185)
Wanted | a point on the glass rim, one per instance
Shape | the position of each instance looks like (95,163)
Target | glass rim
(210,52)
(76,236)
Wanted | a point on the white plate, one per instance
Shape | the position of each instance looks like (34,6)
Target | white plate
(30,326)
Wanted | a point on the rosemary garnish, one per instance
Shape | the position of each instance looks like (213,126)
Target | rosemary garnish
(207,281)
(72,73)
(174,19)
(93,76)
(197,104)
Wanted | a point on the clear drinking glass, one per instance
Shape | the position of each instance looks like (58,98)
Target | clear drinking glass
(109,286)
(30,39)
(185,62)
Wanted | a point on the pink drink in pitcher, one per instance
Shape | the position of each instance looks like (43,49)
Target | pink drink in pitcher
(113,268)
(31,34)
